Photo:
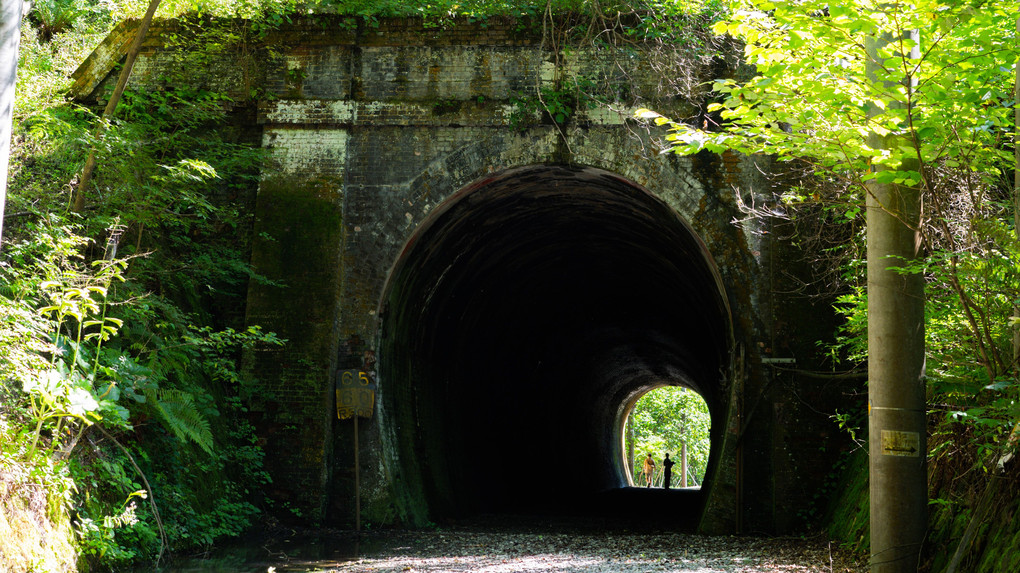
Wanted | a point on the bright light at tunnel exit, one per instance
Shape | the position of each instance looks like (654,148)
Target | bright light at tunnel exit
(662,421)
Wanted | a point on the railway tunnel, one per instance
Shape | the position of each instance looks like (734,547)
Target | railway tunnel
(522,321)
(514,319)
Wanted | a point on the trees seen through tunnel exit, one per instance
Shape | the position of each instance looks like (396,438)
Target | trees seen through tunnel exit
(662,421)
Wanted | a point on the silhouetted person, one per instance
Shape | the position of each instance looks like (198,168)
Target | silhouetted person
(648,468)
(667,471)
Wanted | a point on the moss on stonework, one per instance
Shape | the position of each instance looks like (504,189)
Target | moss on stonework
(299,228)
(297,246)
(35,528)
(380,511)
(306,213)
(993,547)
(849,512)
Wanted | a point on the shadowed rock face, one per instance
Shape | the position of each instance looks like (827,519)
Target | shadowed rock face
(522,322)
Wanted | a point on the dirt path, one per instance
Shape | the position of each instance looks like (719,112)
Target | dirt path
(497,552)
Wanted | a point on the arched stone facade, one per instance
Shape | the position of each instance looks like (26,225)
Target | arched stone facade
(401,151)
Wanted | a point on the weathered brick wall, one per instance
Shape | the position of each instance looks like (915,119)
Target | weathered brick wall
(370,130)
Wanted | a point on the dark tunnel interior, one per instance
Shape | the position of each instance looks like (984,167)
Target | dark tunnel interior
(523,319)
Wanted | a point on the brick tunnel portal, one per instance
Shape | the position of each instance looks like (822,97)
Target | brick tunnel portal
(522,321)
(515,320)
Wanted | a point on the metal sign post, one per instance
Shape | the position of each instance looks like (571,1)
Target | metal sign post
(355,398)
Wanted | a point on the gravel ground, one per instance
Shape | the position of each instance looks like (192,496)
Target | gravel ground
(498,552)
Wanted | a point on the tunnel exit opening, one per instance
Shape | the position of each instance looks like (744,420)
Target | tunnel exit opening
(672,421)
(518,328)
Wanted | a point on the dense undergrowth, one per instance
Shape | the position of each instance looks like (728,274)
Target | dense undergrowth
(972,284)
(123,424)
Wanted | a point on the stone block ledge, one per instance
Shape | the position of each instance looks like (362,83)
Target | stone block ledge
(438,114)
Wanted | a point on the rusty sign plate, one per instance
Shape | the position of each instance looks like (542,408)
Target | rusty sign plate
(355,394)
(895,443)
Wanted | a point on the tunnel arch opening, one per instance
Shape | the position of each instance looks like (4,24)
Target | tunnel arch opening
(672,420)
(519,324)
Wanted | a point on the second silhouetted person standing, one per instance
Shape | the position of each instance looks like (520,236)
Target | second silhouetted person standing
(667,471)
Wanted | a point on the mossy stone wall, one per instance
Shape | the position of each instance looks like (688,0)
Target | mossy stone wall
(370,129)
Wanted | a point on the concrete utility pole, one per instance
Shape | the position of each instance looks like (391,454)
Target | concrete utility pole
(896,386)
(10,37)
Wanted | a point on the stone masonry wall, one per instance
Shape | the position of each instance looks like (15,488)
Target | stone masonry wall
(370,129)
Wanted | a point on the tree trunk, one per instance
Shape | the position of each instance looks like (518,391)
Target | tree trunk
(896,387)
(630,449)
(10,37)
(111,106)
(683,464)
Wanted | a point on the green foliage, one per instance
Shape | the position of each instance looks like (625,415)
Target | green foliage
(432,11)
(810,101)
(810,96)
(64,387)
(178,412)
(68,387)
(662,421)
(448,8)
(127,316)
(968,333)
(204,497)
(72,373)
(549,105)
(847,512)
(851,342)
(98,537)
(53,17)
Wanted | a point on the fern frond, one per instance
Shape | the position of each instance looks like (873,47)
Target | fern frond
(178,413)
